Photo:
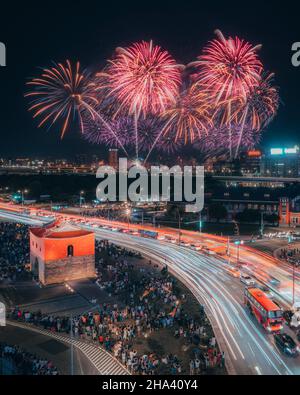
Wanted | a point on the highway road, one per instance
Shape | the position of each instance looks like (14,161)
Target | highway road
(248,349)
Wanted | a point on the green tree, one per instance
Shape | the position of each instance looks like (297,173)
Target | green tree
(217,211)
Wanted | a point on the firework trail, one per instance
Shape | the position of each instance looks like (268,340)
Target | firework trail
(143,79)
(59,94)
(99,133)
(189,119)
(63,92)
(148,132)
(169,144)
(211,146)
(228,69)
(260,107)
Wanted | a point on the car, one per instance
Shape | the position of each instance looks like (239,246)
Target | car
(247,280)
(273,281)
(286,344)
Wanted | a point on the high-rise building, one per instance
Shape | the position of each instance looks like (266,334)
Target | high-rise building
(281,162)
(113,157)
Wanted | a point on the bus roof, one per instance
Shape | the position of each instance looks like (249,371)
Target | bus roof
(262,299)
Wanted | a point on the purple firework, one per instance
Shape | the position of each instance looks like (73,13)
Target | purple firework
(98,133)
(169,144)
(217,142)
(148,132)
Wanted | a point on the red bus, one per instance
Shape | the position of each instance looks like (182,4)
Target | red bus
(267,313)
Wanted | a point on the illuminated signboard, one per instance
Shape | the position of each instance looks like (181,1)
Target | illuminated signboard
(254,154)
(294,150)
(287,151)
(276,151)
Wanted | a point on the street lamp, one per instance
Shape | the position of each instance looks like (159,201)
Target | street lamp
(128,214)
(22,192)
(238,243)
(80,198)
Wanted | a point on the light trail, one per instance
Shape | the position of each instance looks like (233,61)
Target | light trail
(245,343)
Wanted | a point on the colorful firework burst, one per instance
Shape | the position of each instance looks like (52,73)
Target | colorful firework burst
(60,93)
(143,78)
(259,108)
(190,117)
(228,68)
(99,133)
(217,142)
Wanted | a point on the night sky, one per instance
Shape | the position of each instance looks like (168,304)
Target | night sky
(89,31)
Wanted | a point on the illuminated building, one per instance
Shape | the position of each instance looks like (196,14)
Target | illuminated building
(289,211)
(281,162)
(113,158)
(251,162)
(62,253)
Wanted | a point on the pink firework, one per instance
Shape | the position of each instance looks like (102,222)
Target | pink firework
(143,78)
(228,68)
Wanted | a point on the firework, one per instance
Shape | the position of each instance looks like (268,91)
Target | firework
(143,79)
(60,93)
(228,69)
(259,108)
(217,142)
(97,132)
(169,144)
(190,117)
(148,132)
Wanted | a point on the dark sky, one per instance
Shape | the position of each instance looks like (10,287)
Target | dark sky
(37,33)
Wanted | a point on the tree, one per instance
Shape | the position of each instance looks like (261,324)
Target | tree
(272,218)
(249,216)
(217,211)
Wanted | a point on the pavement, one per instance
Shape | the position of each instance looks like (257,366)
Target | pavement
(89,358)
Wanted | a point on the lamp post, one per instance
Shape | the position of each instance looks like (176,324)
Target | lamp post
(128,214)
(238,243)
(262,224)
(22,192)
(80,198)
(200,222)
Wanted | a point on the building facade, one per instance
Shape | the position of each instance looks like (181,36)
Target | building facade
(281,162)
(62,253)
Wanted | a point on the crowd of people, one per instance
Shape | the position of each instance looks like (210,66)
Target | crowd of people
(109,214)
(147,305)
(144,302)
(23,362)
(14,251)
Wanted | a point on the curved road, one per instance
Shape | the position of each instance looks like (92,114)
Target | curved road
(248,349)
